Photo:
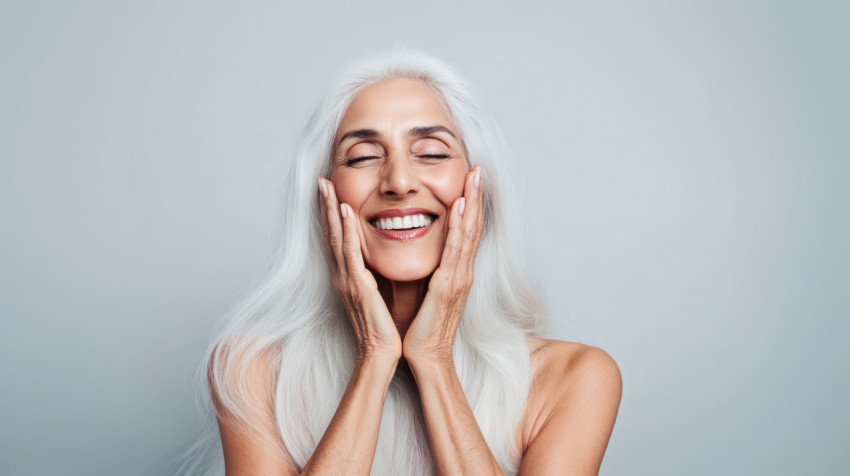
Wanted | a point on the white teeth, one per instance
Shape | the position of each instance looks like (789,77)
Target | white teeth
(402,223)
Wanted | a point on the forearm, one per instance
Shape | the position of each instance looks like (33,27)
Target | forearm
(458,445)
(348,445)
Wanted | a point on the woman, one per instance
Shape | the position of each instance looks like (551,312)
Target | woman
(369,347)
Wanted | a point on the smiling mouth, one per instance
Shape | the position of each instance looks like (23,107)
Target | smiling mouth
(407,222)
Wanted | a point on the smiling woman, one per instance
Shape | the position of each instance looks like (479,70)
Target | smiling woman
(398,149)
(397,333)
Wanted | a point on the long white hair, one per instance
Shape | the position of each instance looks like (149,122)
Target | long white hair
(294,322)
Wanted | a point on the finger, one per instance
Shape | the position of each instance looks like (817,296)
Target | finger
(478,184)
(472,216)
(362,236)
(351,242)
(335,232)
(454,239)
(323,209)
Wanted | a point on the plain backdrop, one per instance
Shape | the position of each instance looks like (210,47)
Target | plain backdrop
(685,164)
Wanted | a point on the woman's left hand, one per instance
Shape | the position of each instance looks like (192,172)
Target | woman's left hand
(431,334)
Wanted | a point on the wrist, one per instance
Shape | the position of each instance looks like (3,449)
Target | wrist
(433,359)
(377,358)
(430,371)
(374,372)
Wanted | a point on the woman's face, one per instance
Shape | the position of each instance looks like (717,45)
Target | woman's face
(398,159)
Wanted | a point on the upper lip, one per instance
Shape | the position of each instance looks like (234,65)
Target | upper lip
(401,212)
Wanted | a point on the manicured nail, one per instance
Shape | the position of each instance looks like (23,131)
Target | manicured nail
(342,210)
(477,177)
(323,187)
(462,204)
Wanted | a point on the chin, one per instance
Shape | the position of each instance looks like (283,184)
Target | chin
(409,272)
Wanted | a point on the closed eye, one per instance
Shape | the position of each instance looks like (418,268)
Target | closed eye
(360,159)
(369,157)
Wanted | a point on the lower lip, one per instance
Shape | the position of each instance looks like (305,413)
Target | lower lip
(403,235)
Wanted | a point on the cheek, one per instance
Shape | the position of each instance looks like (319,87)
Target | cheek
(448,185)
(351,188)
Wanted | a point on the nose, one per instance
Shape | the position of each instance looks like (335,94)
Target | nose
(398,178)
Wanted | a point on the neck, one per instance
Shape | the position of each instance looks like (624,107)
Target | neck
(403,299)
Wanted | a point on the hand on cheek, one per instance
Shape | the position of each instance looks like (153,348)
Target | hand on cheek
(431,335)
(377,336)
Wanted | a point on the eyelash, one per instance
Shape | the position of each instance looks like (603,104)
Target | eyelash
(366,157)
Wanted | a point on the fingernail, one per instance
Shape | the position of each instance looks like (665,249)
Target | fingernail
(323,187)
(342,210)
(462,204)
(477,178)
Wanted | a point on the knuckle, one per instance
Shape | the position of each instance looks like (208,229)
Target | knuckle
(460,284)
(334,240)
(349,251)
(358,278)
(466,286)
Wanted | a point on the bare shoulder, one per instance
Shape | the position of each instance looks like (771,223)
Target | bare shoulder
(560,362)
(580,363)
(575,398)
(250,440)
(250,376)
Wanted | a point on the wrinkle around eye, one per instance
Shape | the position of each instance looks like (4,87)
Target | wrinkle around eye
(360,161)
(435,156)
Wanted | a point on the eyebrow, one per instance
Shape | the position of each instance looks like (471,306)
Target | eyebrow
(415,132)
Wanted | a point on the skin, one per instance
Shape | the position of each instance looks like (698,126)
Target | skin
(405,300)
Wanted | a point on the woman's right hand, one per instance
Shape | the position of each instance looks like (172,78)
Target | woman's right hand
(377,335)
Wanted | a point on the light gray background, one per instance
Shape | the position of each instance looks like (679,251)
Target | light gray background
(687,164)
